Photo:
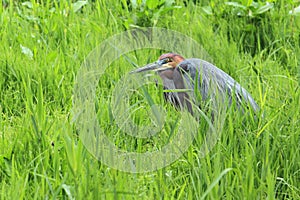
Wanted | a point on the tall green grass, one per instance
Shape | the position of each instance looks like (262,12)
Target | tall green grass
(42,47)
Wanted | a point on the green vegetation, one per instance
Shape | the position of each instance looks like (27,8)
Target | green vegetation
(42,47)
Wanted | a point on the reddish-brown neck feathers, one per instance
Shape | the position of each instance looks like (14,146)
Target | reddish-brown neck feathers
(173,56)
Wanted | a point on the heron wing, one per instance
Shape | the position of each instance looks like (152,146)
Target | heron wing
(211,77)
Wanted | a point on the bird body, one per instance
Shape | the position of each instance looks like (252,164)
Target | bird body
(186,75)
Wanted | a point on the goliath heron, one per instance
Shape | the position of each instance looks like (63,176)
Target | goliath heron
(182,74)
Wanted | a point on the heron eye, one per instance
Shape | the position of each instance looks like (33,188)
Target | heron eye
(169,60)
(165,60)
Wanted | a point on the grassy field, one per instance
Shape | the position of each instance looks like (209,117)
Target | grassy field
(42,46)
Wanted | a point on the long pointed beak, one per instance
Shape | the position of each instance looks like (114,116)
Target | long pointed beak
(149,67)
(153,67)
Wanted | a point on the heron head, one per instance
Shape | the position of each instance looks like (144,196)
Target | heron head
(167,61)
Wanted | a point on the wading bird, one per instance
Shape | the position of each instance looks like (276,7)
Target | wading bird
(188,75)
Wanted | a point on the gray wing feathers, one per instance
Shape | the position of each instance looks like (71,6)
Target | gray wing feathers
(211,77)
